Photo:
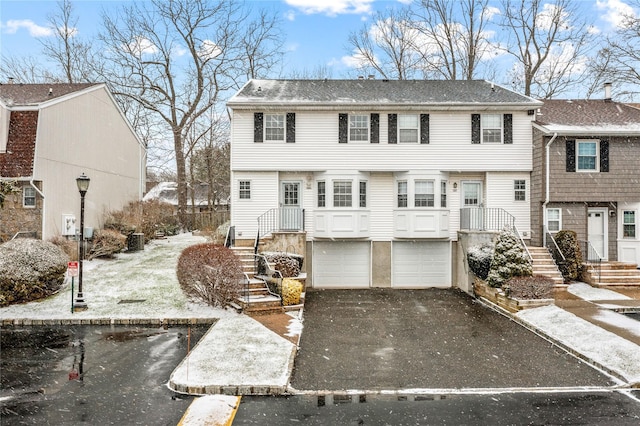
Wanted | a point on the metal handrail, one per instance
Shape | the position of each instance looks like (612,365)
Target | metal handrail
(485,219)
(271,273)
(279,219)
(526,249)
(550,243)
(593,257)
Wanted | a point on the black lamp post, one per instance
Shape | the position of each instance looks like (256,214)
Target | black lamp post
(83,186)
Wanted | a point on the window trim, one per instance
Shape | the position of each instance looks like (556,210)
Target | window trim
(500,129)
(244,189)
(25,197)
(429,197)
(362,195)
(634,225)
(348,200)
(366,130)
(519,192)
(323,194)
(596,168)
(416,128)
(559,220)
(281,117)
(402,197)
(443,194)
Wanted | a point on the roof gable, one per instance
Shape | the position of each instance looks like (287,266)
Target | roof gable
(381,93)
(35,94)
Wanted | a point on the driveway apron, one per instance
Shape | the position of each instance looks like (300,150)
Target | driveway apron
(383,339)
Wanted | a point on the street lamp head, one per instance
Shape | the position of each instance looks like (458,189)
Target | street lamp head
(83,184)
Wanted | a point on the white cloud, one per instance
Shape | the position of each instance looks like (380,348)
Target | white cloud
(615,11)
(489,12)
(353,61)
(545,19)
(142,46)
(209,49)
(331,7)
(290,15)
(13,25)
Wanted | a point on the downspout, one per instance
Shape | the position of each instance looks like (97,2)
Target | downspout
(33,185)
(547,188)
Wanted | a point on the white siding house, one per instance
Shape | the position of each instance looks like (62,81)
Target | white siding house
(380,169)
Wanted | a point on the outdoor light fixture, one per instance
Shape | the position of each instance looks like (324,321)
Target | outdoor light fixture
(83,186)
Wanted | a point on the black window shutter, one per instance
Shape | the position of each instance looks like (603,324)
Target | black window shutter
(393,128)
(257,126)
(475,128)
(343,127)
(375,128)
(424,128)
(291,127)
(604,155)
(508,128)
(571,156)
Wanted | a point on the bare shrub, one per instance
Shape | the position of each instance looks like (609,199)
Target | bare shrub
(286,263)
(147,217)
(30,270)
(210,272)
(534,287)
(70,247)
(106,243)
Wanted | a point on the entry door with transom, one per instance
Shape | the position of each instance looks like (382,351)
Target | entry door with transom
(472,198)
(290,206)
(597,231)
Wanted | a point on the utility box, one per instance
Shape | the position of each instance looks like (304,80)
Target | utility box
(135,242)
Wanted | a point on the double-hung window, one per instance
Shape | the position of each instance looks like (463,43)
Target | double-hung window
(408,128)
(363,193)
(402,193)
(28,197)
(274,127)
(554,220)
(491,128)
(520,190)
(342,193)
(629,224)
(358,128)
(424,193)
(322,194)
(443,194)
(244,189)
(587,156)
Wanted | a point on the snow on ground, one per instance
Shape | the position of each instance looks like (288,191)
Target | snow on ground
(593,342)
(586,292)
(618,320)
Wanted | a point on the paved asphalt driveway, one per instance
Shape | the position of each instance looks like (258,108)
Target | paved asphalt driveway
(382,339)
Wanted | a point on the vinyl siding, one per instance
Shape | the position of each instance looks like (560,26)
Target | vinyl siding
(500,194)
(381,204)
(264,196)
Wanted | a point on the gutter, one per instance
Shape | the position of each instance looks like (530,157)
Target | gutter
(547,186)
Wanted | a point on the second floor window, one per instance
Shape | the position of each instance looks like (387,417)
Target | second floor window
(587,158)
(244,190)
(358,127)
(491,128)
(274,127)
(28,197)
(424,193)
(408,128)
(629,224)
(341,193)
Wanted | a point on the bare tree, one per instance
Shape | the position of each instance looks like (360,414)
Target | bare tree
(619,60)
(453,37)
(386,47)
(548,42)
(177,59)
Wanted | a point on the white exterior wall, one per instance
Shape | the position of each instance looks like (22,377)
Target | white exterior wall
(264,196)
(316,147)
(86,134)
(500,194)
(381,203)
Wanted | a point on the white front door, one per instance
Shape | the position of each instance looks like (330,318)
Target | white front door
(290,203)
(597,231)
(472,197)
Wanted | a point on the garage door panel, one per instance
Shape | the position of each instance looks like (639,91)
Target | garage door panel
(421,264)
(341,264)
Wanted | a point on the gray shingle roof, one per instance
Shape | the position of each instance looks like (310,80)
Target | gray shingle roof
(588,117)
(437,93)
(32,94)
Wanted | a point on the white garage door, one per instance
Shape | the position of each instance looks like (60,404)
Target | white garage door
(338,264)
(421,264)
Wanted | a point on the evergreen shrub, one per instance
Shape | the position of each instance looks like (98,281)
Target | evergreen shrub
(509,260)
(479,260)
(568,244)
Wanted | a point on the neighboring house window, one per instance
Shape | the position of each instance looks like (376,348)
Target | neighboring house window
(424,195)
(245,190)
(587,158)
(363,194)
(274,127)
(341,193)
(408,128)
(28,197)
(443,194)
(629,224)
(322,194)
(554,220)
(402,193)
(358,128)
(519,189)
